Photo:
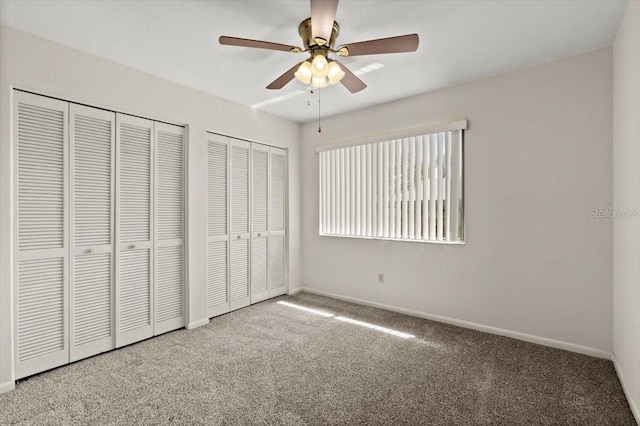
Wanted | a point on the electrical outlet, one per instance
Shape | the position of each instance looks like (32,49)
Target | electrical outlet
(380,277)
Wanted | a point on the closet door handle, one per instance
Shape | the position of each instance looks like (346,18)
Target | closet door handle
(132,246)
(239,236)
(89,251)
(259,234)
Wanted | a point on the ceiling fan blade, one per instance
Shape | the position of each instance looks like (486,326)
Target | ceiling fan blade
(398,44)
(323,13)
(285,78)
(351,81)
(245,42)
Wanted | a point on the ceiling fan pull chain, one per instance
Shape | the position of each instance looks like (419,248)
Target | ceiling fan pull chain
(319,127)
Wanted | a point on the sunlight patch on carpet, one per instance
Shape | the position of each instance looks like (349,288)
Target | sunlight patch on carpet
(304,308)
(377,327)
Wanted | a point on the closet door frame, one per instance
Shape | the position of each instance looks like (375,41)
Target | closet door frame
(107,343)
(227,307)
(61,357)
(34,96)
(141,333)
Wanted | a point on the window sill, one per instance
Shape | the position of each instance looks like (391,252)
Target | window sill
(453,243)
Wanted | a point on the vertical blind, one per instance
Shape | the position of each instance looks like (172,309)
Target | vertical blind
(408,188)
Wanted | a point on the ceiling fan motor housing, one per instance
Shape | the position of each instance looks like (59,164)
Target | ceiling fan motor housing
(304,29)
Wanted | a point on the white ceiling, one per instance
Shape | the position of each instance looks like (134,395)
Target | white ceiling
(459,41)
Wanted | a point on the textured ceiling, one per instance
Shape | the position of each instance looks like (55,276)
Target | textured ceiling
(459,41)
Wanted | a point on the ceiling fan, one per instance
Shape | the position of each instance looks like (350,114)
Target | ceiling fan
(319,34)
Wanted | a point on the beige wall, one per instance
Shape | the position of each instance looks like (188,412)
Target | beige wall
(538,158)
(626,160)
(33,63)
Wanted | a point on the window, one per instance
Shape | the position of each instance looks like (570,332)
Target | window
(408,188)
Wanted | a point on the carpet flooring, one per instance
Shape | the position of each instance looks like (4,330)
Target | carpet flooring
(273,364)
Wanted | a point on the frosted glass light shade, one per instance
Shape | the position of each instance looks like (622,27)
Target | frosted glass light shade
(304,73)
(335,73)
(319,66)
(319,82)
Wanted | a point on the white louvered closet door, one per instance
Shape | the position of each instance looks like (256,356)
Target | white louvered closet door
(169,228)
(134,229)
(259,222)
(92,172)
(277,222)
(217,224)
(239,256)
(41,326)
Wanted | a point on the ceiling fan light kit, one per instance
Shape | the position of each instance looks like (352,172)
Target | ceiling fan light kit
(319,65)
(319,33)
(318,72)
(304,74)
(335,73)
(319,82)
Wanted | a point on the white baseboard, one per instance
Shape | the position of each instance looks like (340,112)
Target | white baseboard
(294,291)
(572,347)
(196,324)
(627,391)
(7,386)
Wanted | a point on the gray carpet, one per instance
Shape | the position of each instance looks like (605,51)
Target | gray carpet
(273,364)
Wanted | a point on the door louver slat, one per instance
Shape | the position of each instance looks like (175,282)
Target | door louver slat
(259,265)
(239,190)
(217,273)
(92,181)
(217,188)
(277,260)
(135,295)
(277,191)
(169,283)
(260,196)
(41,141)
(170,185)
(40,307)
(92,298)
(239,269)
(135,178)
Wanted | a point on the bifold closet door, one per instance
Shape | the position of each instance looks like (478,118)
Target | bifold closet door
(239,256)
(169,228)
(134,230)
(217,224)
(259,223)
(277,222)
(41,212)
(92,171)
